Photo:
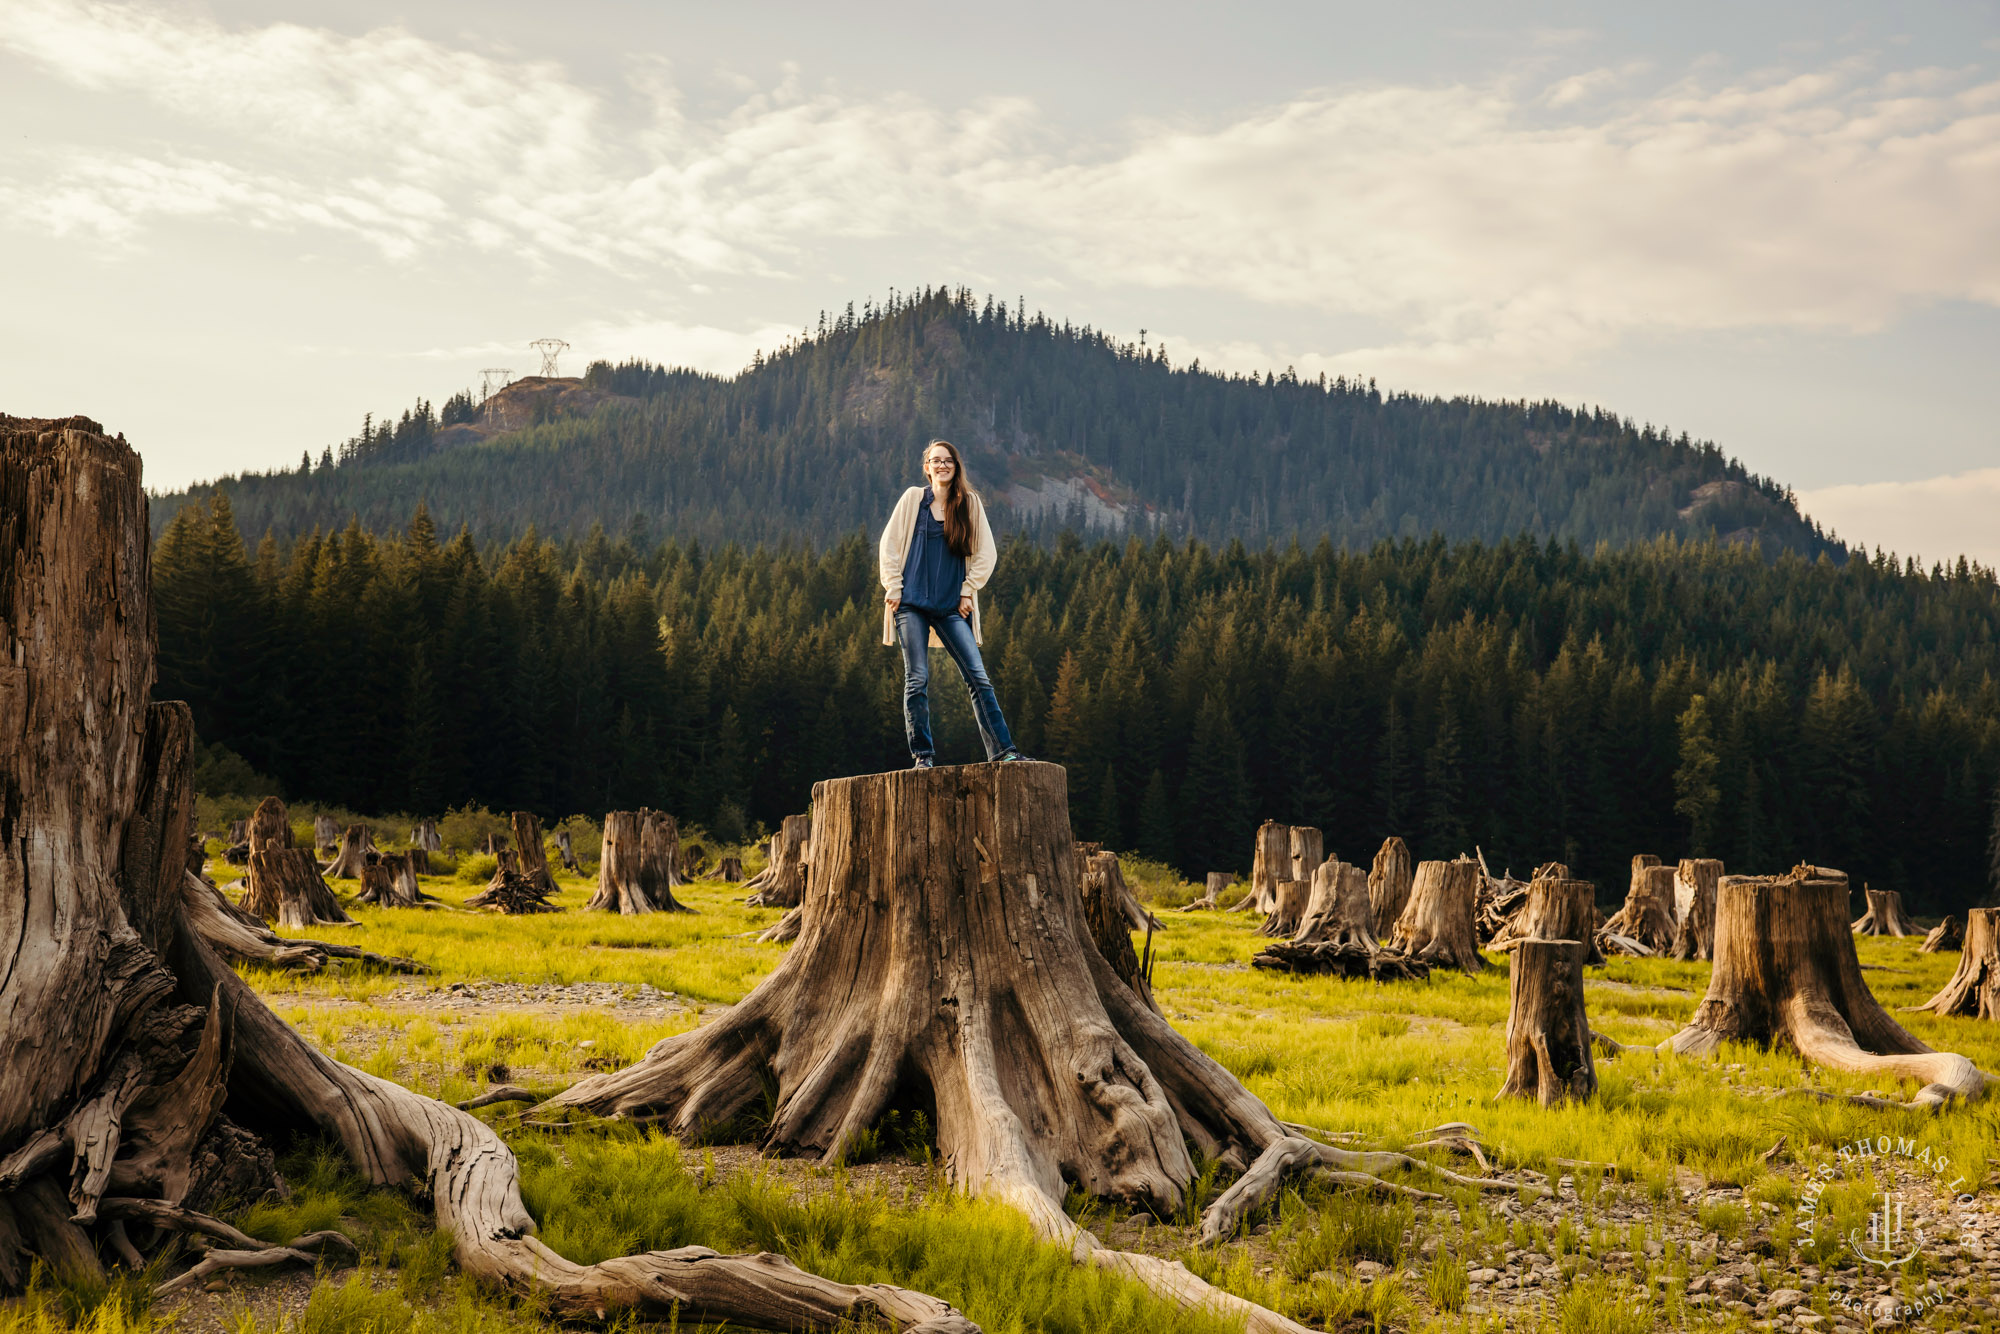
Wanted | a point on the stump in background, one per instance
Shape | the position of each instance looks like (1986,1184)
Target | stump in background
(1695,883)
(326,835)
(1786,974)
(1647,919)
(505,867)
(1103,895)
(1210,898)
(1975,988)
(782,882)
(1339,911)
(731,870)
(534,860)
(1557,908)
(635,870)
(1885,915)
(239,832)
(1270,862)
(425,836)
(1288,908)
(566,851)
(1436,923)
(389,880)
(420,860)
(1389,881)
(353,855)
(1548,1035)
(269,826)
(1946,935)
(284,884)
(493,844)
(1308,850)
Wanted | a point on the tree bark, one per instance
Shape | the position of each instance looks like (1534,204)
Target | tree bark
(731,871)
(1557,908)
(1694,899)
(112,1016)
(1786,974)
(270,826)
(1946,935)
(944,959)
(353,856)
(1648,915)
(1288,909)
(1885,915)
(326,835)
(494,844)
(534,859)
(782,882)
(1548,1035)
(1436,923)
(1308,850)
(1975,988)
(1389,881)
(635,866)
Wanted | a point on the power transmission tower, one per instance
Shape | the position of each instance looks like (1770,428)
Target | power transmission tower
(550,348)
(494,377)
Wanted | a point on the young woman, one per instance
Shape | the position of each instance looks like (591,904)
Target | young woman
(936,555)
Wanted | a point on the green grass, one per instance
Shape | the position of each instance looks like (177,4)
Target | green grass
(1385,1061)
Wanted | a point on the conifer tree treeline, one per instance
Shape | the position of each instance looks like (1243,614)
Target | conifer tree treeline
(1526,697)
(814,441)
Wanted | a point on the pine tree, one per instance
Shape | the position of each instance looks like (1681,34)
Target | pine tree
(1696,795)
(1156,821)
(1108,827)
(1444,786)
(1215,798)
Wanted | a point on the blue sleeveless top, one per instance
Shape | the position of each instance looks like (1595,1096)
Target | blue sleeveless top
(932,576)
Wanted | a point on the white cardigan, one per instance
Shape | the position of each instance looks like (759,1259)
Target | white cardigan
(896,545)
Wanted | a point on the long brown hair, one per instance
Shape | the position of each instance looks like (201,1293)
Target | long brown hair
(957,508)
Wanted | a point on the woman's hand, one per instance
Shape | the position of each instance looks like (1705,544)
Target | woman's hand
(895,603)
(965,608)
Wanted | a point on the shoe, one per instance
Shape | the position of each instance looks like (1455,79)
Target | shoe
(923,762)
(1010,755)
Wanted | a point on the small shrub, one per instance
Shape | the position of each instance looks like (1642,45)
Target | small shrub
(478,869)
(1446,1283)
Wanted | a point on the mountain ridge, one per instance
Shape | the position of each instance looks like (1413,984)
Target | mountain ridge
(1062,427)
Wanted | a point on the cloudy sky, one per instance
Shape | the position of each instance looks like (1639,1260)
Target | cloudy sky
(230,229)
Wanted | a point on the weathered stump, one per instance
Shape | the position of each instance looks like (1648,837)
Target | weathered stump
(284,884)
(506,868)
(269,826)
(1695,882)
(1389,881)
(493,844)
(1946,935)
(1648,915)
(420,860)
(1885,915)
(944,960)
(425,836)
(1548,1035)
(352,857)
(1339,911)
(782,883)
(326,835)
(1975,988)
(389,880)
(1288,908)
(635,870)
(1786,974)
(534,859)
(1436,923)
(123,1031)
(1557,908)
(1218,881)
(1103,895)
(731,871)
(239,832)
(566,850)
(1308,850)
(1270,862)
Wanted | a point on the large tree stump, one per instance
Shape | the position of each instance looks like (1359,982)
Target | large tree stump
(425,836)
(1389,881)
(1946,935)
(352,857)
(389,880)
(1975,988)
(782,882)
(1436,923)
(944,960)
(1556,908)
(1270,862)
(1548,1035)
(635,869)
(285,885)
(1336,933)
(1308,850)
(506,870)
(1786,974)
(326,835)
(1885,915)
(566,850)
(123,1031)
(534,860)
(731,871)
(1648,914)
(1695,881)
(239,832)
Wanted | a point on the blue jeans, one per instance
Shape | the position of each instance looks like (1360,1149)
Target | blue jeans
(913,629)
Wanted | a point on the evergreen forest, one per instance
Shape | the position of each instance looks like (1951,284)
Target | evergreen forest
(1528,697)
(1063,427)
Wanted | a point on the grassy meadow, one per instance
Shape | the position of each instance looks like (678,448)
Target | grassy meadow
(1660,1178)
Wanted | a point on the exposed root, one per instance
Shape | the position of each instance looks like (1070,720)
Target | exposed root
(502,1093)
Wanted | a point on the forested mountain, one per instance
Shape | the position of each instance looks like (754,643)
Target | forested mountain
(1529,697)
(1062,427)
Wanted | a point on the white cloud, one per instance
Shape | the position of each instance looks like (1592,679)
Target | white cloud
(1511,224)
(1937,519)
